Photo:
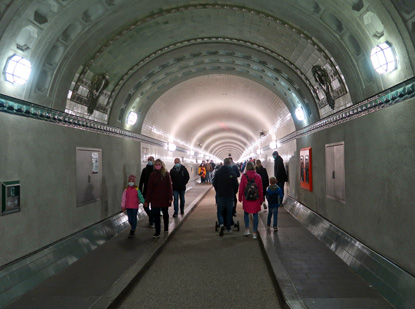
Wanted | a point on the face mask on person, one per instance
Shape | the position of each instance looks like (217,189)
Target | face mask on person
(131,184)
(274,157)
(157,167)
(232,164)
(150,163)
(177,165)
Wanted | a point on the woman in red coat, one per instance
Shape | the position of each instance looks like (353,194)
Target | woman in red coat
(160,195)
(251,196)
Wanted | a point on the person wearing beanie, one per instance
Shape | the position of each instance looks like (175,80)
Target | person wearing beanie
(131,198)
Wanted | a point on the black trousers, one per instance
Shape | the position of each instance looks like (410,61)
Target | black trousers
(150,215)
(156,216)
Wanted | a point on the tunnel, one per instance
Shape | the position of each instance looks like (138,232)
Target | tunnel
(90,89)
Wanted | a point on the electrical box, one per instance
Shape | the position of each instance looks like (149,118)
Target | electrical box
(10,193)
(306,169)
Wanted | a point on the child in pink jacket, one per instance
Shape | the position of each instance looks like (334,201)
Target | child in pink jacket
(131,198)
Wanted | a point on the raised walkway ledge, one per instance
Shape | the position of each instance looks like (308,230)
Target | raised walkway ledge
(306,270)
(317,265)
(89,268)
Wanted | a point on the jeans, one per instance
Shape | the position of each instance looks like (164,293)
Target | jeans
(272,211)
(156,215)
(176,195)
(246,219)
(208,177)
(225,204)
(132,217)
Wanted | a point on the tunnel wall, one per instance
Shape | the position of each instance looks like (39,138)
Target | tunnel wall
(379,153)
(43,157)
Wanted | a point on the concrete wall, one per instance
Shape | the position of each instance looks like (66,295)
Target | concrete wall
(379,152)
(43,157)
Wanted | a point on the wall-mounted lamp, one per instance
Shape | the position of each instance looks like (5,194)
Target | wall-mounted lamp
(383,58)
(17,70)
(273,145)
(172,147)
(132,118)
(299,113)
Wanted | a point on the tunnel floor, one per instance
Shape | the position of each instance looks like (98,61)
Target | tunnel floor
(192,267)
(199,269)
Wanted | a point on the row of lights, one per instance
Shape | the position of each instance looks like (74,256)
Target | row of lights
(17,70)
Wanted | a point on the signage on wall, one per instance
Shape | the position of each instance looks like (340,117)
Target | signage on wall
(95,166)
(10,192)
(306,173)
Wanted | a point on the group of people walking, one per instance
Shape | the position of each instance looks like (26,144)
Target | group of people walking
(253,188)
(205,171)
(158,188)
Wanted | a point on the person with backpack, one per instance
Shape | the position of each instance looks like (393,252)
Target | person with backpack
(131,198)
(274,196)
(251,196)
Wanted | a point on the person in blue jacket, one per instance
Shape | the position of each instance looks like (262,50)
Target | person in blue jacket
(274,196)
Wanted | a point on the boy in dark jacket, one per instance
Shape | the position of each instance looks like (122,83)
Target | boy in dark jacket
(274,196)
(179,178)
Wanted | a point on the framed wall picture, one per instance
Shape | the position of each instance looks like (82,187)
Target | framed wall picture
(306,170)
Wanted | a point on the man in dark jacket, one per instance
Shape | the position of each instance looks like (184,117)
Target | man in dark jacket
(262,171)
(226,186)
(179,178)
(238,174)
(145,175)
(279,171)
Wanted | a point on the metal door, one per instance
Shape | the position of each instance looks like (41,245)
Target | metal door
(88,175)
(335,176)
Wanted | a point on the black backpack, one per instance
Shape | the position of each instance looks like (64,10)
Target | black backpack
(251,191)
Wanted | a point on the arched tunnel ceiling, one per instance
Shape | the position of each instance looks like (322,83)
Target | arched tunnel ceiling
(221,113)
(152,48)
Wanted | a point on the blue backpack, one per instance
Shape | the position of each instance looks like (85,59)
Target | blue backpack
(251,191)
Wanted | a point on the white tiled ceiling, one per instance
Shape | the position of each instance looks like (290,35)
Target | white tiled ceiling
(218,112)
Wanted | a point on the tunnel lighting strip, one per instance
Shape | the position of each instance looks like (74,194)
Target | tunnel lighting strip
(387,98)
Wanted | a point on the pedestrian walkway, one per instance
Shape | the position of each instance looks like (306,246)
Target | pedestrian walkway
(199,269)
(309,274)
(91,279)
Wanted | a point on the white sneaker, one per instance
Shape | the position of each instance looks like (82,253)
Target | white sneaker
(229,232)
(255,236)
(247,233)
